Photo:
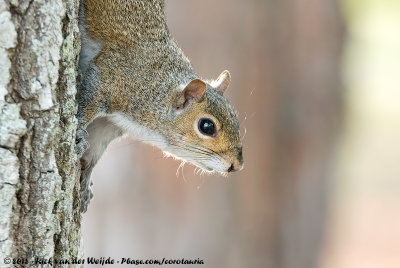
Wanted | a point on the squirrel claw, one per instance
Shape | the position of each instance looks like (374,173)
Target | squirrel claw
(81,147)
(81,133)
(86,192)
(81,143)
(86,196)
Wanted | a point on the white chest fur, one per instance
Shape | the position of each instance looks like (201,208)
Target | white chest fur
(137,131)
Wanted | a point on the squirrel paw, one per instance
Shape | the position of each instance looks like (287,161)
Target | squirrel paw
(86,192)
(81,143)
(86,196)
(81,147)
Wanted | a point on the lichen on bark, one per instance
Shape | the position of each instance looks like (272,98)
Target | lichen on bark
(39,171)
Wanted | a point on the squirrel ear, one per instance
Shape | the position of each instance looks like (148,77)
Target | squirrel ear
(222,82)
(193,92)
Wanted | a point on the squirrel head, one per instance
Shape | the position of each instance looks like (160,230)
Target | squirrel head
(203,128)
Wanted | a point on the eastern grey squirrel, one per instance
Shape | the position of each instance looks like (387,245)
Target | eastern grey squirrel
(136,80)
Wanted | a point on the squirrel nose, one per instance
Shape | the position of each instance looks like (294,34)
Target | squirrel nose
(237,163)
(231,168)
(235,167)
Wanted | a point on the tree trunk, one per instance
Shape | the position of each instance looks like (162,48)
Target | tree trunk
(39,171)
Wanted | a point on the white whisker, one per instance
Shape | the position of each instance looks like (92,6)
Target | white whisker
(183,174)
(245,131)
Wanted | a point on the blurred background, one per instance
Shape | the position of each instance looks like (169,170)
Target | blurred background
(316,85)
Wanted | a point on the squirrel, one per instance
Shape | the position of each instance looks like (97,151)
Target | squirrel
(135,80)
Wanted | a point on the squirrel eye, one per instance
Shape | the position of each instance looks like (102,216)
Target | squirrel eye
(207,127)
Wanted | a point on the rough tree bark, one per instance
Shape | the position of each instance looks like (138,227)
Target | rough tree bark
(38,166)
